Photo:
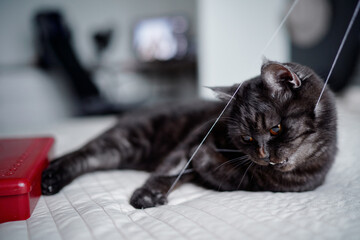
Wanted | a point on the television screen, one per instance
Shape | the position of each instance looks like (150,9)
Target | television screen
(161,39)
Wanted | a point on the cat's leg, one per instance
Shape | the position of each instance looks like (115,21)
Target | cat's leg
(117,148)
(208,167)
(154,192)
(63,170)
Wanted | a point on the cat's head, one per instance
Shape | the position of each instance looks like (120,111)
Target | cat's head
(272,114)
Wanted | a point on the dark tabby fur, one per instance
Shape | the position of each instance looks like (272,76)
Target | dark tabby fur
(264,156)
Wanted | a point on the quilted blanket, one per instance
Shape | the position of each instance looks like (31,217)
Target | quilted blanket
(95,206)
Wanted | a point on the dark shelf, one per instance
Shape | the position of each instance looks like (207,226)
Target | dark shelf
(162,67)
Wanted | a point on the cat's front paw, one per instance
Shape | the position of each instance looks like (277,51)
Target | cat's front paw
(53,180)
(145,198)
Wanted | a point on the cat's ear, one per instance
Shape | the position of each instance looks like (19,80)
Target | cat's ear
(279,77)
(223,93)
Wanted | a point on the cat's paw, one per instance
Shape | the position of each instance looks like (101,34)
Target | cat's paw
(53,180)
(145,198)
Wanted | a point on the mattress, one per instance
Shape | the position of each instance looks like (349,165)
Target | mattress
(95,206)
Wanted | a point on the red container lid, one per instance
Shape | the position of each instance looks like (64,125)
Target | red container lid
(20,160)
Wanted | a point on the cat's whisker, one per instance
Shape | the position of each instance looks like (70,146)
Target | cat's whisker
(246,161)
(224,163)
(228,150)
(243,177)
(242,163)
(241,159)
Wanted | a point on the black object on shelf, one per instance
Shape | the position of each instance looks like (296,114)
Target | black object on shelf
(56,51)
(102,40)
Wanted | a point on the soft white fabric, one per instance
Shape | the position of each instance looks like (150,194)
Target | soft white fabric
(95,206)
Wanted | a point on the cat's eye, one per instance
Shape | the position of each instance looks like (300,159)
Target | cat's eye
(247,138)
(275,130)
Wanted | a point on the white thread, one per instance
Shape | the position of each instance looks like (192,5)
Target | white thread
(339,50)
(266,46)
(202,142)
(279,27)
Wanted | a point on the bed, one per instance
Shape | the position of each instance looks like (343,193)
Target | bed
(95,206)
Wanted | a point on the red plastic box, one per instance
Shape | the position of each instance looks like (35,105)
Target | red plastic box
(22,161)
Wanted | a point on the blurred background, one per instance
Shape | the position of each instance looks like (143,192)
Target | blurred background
(61,59)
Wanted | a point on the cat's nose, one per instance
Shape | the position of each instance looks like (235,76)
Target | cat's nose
(263,154)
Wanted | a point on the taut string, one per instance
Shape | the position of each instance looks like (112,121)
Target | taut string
(228,103)
(280,26)
(202,142)
(339,50)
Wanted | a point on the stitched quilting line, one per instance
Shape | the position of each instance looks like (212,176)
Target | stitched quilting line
(147,231)
(204,192)
(247,216)
(112,220)
(86,224)
(232,208)
(52,216)
(242,230)
(321,221)
(171,226)
(304,228)
(163,207)
(222,220)
(158,220)
(227,207)
(168,208)
(112,196)
(27,230)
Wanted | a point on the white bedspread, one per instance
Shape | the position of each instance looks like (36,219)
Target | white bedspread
(95,206)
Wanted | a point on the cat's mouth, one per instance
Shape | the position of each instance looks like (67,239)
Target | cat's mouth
(282,166)
(271,162)
(278,163)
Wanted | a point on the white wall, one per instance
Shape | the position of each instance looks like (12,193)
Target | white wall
(29,98)
(232,35)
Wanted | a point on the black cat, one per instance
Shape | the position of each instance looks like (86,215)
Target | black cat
(270,138)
